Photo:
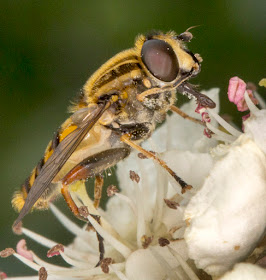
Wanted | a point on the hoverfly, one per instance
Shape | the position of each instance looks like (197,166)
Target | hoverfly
(119,107)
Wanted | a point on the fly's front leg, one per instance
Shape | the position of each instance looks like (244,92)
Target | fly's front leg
(185,116)
(126,139)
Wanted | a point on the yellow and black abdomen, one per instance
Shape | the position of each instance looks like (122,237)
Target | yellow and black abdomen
(94,142)
(20,196)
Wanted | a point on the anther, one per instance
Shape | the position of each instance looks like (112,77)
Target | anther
(146,241)
(163,241)
(134,176)
(55,251)
(171,204)
(111,190)
(7,252)
(17,229)
(105,264)
(43,273)
(83,211)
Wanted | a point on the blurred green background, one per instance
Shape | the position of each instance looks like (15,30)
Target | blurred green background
(48,49)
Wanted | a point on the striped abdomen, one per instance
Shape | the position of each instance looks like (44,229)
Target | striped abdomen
(20,196)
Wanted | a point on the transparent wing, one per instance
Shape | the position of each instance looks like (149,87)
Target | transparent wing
(59,157)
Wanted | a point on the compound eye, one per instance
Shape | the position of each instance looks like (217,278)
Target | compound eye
(160,59)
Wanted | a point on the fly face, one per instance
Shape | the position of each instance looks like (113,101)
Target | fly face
(166,60)
(167,65)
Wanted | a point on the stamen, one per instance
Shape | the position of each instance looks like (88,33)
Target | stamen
(81,191)
(118,273)
(164,263)
(86,272)
(39,238)
(260,99)
(55,251)
(115,243)
(146,241)
(43,273)
(222,138)
(49,243)
(129,201)
(47,265)
(252,108)
(134,176)
(105,264)
(71,226)
(7,252)
(224,124)
(183,264)
(77,272)
(161,190)
(171,204)
(220,134)
(141,230)
(27,262)
(78,263)
(60,251)
(146,194)
(163,241)
(112,190)
(25,278)
(75,198)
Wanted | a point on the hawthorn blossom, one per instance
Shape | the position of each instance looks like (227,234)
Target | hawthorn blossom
(150,229)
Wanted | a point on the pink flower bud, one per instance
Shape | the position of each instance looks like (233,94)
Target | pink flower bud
(23,250)
(236,91)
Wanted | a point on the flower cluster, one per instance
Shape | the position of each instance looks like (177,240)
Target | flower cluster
(150,229)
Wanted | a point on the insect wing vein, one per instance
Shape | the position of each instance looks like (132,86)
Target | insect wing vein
(59,158)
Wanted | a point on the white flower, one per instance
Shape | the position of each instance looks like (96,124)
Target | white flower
(150,229)
(227,217)
(245,271)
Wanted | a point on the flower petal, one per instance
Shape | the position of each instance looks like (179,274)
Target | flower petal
(245,271)
(255,126)
(228,215)
(141,264)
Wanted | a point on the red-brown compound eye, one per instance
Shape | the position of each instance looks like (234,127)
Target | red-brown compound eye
(160,59)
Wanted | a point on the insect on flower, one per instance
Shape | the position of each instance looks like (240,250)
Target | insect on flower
(119,107)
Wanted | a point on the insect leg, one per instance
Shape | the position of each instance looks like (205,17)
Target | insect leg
(98,186)
(91,167)
(185,116)
(126,139)
(70,202)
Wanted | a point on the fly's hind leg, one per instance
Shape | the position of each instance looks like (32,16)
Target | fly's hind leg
(98,186)
(92,167)
(69,200)
(88,168)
